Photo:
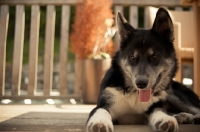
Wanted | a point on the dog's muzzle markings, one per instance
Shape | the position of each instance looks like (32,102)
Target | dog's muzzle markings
(139,87)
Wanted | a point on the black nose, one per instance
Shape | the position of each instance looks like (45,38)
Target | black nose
(141,82)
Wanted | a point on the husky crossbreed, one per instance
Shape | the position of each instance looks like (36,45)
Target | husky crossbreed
(139,87)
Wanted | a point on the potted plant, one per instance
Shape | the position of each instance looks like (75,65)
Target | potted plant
(91,41)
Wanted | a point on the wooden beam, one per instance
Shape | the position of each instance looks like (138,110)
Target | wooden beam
(148,2)
(18,49)
(39,2)
(187,2)
(68,96)
(178,8)
(115,2)
(133,16)
(78,75)
(33,49)
(4,13)
(177,42)
(196,48)
(49,46)
(63,49)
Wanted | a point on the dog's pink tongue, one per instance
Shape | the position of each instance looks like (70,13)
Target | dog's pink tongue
(145,95)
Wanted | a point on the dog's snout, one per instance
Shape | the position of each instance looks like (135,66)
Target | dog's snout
(141,82)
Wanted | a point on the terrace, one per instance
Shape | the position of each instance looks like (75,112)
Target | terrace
(47,95)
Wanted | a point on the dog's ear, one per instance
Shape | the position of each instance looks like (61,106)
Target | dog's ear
(124,28)
(163,24)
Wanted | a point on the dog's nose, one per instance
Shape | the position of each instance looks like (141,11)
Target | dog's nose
(141,82)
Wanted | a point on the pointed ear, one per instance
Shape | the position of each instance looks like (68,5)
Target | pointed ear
(163,24)
(124,28)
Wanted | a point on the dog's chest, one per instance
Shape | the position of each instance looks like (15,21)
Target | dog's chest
(129,103)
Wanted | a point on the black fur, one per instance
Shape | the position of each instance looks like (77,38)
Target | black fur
(146,55)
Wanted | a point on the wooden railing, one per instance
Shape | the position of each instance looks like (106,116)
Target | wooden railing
(49,42)
(33,51)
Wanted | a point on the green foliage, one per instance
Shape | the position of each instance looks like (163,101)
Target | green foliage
(9,50)
(11,24)
(42,21)
(126,12)
(141,17)
(11,29)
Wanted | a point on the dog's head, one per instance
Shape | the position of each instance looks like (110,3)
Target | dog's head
(147,57)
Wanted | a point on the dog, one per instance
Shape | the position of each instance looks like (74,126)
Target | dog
(139,87)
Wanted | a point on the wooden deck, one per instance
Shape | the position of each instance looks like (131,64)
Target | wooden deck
(59,118)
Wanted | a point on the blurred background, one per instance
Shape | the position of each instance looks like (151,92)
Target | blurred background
(139,19)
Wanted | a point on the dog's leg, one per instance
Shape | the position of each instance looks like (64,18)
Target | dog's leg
(196,119)
(184,118)
(187,118)
(162,122)
(100,121)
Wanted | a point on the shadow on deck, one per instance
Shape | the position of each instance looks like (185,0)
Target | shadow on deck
(59,118)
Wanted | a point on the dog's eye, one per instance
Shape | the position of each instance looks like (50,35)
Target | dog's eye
(154,57)
(132,58)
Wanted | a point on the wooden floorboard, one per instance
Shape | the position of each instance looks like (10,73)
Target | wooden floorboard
(59,118)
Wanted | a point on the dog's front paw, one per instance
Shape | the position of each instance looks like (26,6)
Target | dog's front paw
(196,119)
(164,123)
(100,125)
(100,122)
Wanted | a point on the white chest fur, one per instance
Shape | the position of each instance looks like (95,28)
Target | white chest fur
(129,104)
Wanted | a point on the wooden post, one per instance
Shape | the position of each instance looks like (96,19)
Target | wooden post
(133,16)
(4,13)
(177,42)
(63,49)
(178,8)
(33,49)
(197,47)
(49,45)
(78,76)
(18,50)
